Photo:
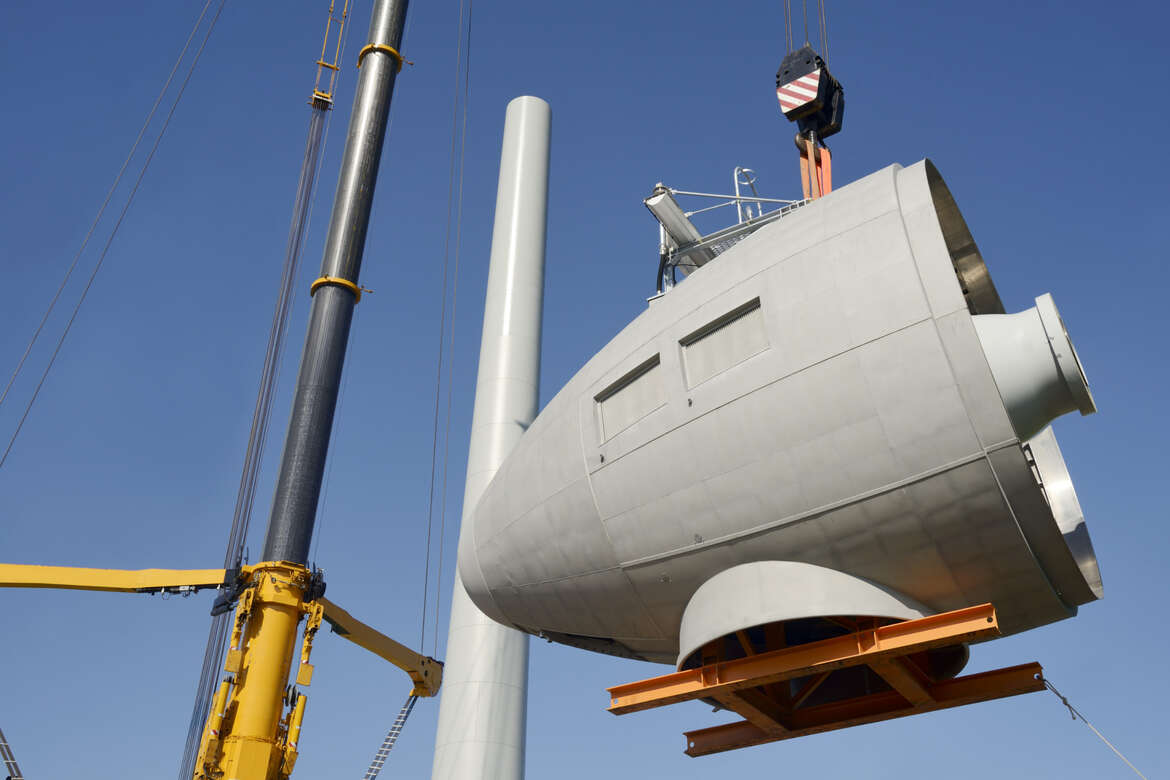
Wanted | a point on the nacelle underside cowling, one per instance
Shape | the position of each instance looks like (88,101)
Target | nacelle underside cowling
(841,389)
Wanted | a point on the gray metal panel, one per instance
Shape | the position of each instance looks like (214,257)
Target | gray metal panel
(634,397)
(974,279)
(925,234)
(859,202)
(727,342)
(1066,508)
(549,542)
(755,594)
(1039,526)
(584,605)
(973,377)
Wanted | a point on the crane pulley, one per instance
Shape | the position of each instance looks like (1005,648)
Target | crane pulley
(811,97)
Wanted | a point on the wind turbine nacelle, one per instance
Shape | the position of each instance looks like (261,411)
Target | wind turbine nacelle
(835,417)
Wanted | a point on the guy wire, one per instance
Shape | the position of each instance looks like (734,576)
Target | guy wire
(451,162)
(113,234)
(454,309)
(109,195)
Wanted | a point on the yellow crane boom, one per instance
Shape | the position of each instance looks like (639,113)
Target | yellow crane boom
(13,575)
(425,673)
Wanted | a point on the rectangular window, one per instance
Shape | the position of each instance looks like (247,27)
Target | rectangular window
(726,342)
(630,398)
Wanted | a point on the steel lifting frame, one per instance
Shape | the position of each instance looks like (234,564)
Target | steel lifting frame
(771,713)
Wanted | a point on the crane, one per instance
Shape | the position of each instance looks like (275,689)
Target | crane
(254,722)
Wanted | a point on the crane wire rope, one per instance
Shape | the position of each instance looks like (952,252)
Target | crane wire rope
(257,440)
(1076,715)
(105,203)
(787,25)
(451,168)
(399,723)
(113,233)
(823,18)
(316,141)
(454,310)
(822,26)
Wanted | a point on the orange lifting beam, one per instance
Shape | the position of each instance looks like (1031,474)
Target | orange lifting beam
(816,168)
(771,713)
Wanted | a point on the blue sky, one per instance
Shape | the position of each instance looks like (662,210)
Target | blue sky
(1042,117)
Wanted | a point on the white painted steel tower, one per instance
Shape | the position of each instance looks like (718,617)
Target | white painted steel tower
(484,700)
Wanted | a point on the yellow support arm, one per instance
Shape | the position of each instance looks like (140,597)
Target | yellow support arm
(14,575)
(426,673)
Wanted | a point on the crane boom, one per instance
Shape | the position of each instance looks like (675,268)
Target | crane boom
(13,575)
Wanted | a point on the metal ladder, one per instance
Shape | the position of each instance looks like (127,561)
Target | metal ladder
(388,743)
(9,759)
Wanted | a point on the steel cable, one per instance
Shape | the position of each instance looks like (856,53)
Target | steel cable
(787,25)
(454,311)
(317,139)
(258,435)
(109,241)
(1076,714)
(109,196)
(824,22)
(451,167)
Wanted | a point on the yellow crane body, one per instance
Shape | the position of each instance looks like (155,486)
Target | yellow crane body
(255,719)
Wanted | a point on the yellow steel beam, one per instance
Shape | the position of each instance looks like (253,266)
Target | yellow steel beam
(13,575)
(997,684)
(426,673)
(863,647)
